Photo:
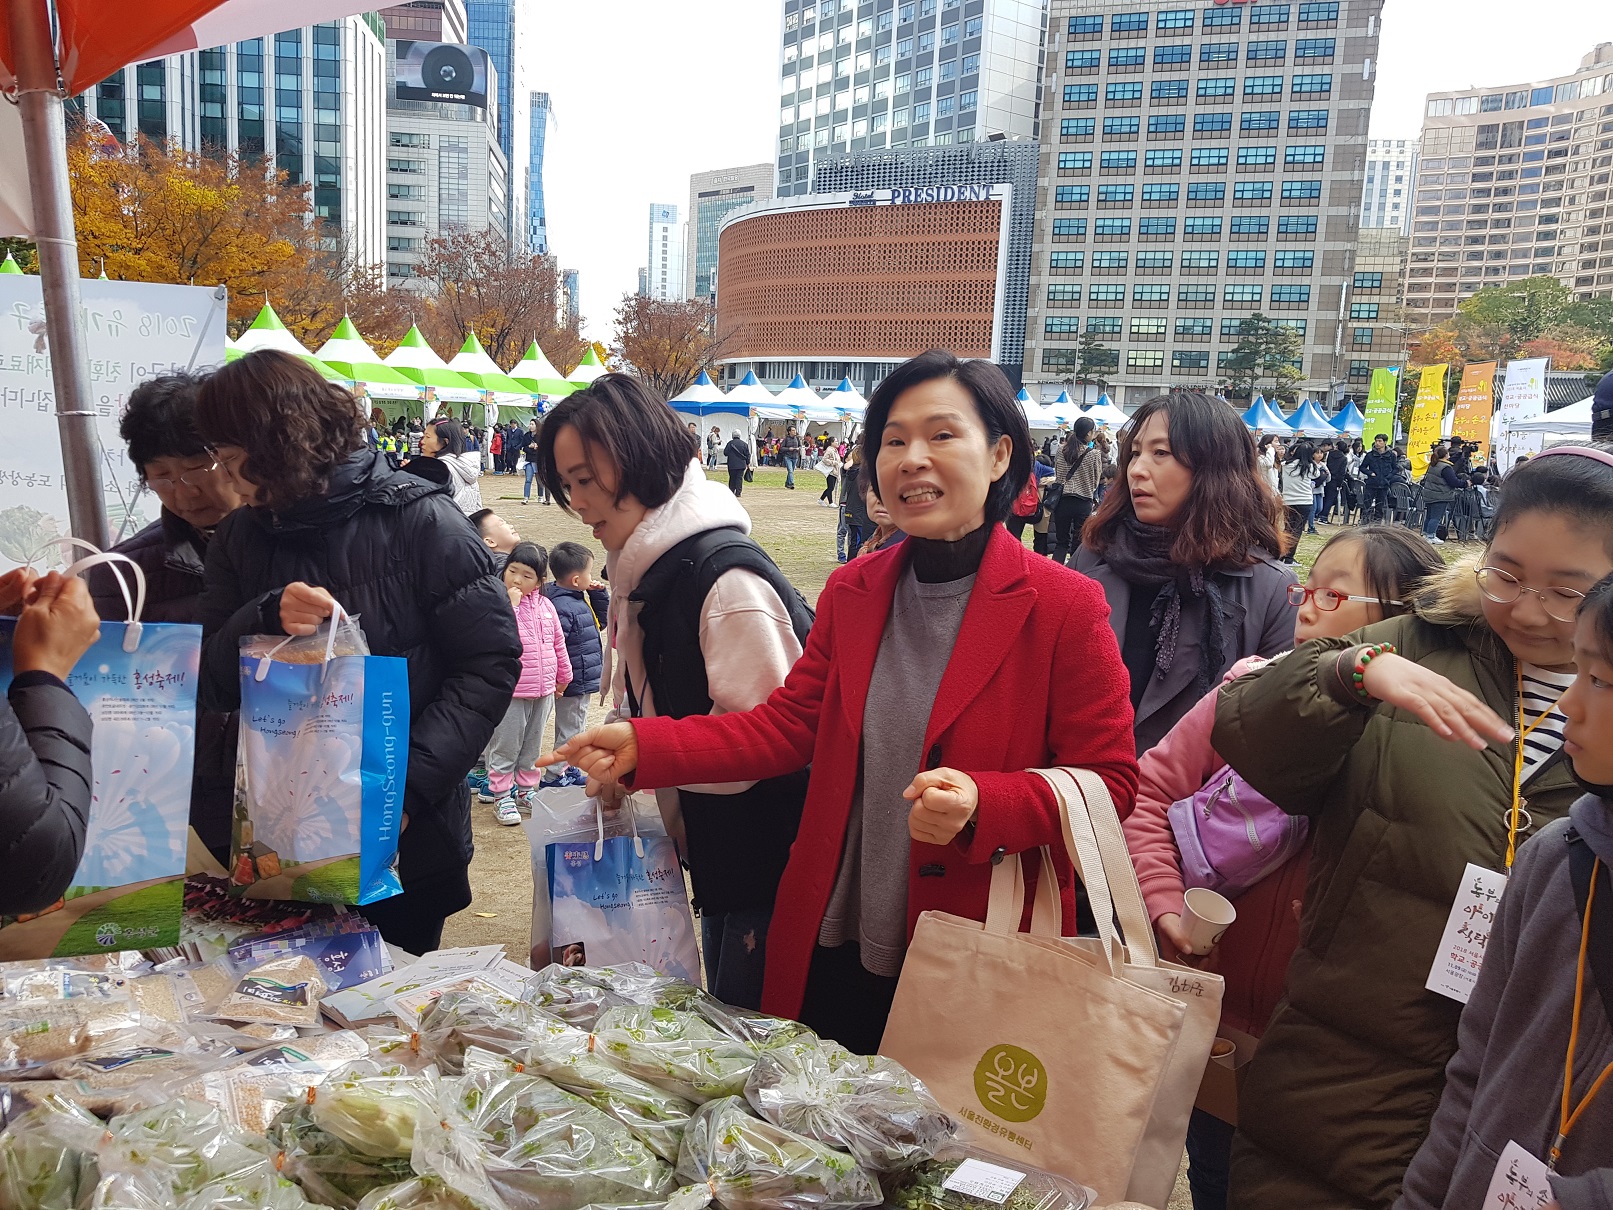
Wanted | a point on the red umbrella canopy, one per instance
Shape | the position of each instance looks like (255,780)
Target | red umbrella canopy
(96,37)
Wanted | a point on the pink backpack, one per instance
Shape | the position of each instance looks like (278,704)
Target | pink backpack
(1231,836)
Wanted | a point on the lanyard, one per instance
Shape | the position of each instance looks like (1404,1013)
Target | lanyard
(1524,732)
(1570,1112)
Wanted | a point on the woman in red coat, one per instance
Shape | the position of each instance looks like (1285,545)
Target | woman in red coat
(937,675)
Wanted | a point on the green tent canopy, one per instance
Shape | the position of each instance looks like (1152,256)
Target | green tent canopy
(588,369)
(417,360)
(473,362)
(537,373)
(267,332)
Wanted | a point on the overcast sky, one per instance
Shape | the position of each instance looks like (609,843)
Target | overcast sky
(646,93)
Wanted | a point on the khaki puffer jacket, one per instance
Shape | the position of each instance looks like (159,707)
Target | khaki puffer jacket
(1343,1087)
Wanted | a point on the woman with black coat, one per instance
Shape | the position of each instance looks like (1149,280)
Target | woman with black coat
(737,455)
(328,521)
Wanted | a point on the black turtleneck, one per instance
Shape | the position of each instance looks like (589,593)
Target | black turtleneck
(936,561)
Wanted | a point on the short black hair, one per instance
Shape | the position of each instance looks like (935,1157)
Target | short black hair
(530,553)
(452,435)
(643,436)
(994,401)
(159,421)
(1597,607)
(569,557)
(480,515)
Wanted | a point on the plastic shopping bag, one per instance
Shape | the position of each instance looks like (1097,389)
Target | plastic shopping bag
(607,887)
(138,683)
(323,758)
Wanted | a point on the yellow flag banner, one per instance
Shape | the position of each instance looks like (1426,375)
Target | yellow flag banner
(1426,415)
(1475,401)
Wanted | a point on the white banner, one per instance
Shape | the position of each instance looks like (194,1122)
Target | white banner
(136,331)
(1522,398)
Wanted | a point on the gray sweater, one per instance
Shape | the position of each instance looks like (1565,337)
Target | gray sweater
(1506,1081)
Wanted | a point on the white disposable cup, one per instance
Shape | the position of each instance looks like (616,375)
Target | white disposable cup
(1206,916)
(1224,1051)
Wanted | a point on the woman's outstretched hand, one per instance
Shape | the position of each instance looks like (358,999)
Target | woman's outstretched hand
(606,754)
(944,801)
(1450,710)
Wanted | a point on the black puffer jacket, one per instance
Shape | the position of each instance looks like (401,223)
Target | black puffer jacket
(737,454)
(393,549)
(44,791)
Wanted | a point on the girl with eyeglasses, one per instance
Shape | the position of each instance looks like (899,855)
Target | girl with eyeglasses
(1417,746)
(1360,577)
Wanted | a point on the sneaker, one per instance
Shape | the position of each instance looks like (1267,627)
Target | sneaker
(507,812)
(574,777)
(552,780)
(1436,541)
(484,795)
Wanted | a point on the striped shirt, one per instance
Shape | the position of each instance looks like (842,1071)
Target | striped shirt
(1541,691)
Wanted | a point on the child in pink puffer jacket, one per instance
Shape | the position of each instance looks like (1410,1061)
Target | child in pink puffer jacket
(545,669)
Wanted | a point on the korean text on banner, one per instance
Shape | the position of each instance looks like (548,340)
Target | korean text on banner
(1475,400)
(1381,401)
(1523,397)
(135,331)
(1426,415)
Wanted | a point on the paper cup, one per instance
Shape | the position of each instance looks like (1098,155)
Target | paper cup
(1225,1052)
(1206,917)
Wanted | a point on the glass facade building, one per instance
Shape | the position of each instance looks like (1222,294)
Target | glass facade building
(537,215)
(712,196)
(663,276)
(1200,164)
(500,28)
(1513,182)
(1386,196)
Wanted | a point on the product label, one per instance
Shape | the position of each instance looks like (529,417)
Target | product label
(990,1182)
(113,1062)
(271,991)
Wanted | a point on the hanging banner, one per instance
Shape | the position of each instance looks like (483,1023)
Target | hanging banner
(1522,398)
(1475,401)
(1380,413)
(1426,415)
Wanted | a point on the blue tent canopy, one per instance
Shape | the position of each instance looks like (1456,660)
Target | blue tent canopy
(1262,417)
(1308,419)
(1350,420)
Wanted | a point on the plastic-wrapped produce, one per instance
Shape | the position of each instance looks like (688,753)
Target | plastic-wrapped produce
(167,1153)
(36,1031)
(966,1178)
(579,994)
(47,1158)
(681,1052)
(517,1142)
(565,1056)
(371,1107)
(457,1020)
(259,1189)
(747,1163)
(865,1104)
(422,1193)
(329,1169)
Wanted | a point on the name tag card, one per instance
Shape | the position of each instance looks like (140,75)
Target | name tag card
(1521,1182)
(1467,934)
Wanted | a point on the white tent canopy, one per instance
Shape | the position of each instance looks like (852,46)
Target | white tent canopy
(1106,415)
(1573,419)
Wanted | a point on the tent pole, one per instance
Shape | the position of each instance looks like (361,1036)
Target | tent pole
(44,135)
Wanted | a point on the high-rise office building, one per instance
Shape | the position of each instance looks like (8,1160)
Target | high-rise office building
(427,21)
(663,276)
(1202,165)
(571,281)
(1513,182)
(311,101)
(1374,335)
(916,73)
(537,213)
(1386,196)
(501,29)
(712,195)
(643,283)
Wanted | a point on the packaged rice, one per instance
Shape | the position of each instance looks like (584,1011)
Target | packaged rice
(742,1162)
(34,1032)
(280,991)
(967,1178)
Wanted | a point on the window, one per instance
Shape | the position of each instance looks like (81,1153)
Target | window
(1201,260)
(1148,327)
(949,70)
(1260,119)
(1294,260)
(1131,91)
(1190,359)
(1220,18)
(1367,281)
(1180,53)
(1076,93)
(922,77)
(904,83)
(971,65)
(1319,12)
(1246,259)
(1161,193)
(1218,86)
(1114,193)
(1251,191)
(1162,159)
(1068,194)
(1313,48)
(1202,226)
(1156,226)
(1208,122)
(407,192)
(972,27)
(1188,296)
(1307,119)
(1128,23)
(1209,157)
(1193,327)
(944,106)
(1299,224)
(1290,294)
(1207,192)
(1069,226)
(1267,52)
(1293,325)
(1218,52)
(1301,189)
(1304,153)
(1232,329)
(1154,260)
(1243,224)
(1361,337)
(1167,123)
(1263,86)
(1075,161)
(1174,18)
(415,166)
(1119,127)
(949,34)
(1073,128)
(1086,25)
(1112,226)
(1268,14)
(1123,161)
(1127,56)
(1066,260)
(1242,294)
(926,43)
(1105,325)
(1159,295)
(1055,324)
(1109,260)
(1142,361)
(1064,293)
(1363,310)
(1312,86)
(1081,60)
(968,100)
(921,114)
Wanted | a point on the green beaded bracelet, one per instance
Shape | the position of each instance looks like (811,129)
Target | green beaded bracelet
(1364,656)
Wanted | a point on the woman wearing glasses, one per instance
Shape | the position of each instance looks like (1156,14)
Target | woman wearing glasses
(174,463)
(1416,746)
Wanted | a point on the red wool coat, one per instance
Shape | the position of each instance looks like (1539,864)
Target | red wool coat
(1035,679)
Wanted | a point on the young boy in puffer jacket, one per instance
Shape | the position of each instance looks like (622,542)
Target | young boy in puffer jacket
(583,605)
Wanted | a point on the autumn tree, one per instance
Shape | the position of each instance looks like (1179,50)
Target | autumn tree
(665,343)
(474,286)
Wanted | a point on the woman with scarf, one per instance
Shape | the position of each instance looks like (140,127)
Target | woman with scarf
(1184,545)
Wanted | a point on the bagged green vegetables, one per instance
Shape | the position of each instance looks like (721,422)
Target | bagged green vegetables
(681,1052)
(47,1158)
(422,1193)
(161,1156)
(745,1163)
(457,1020)
(330,1171)
(966,1178)
(865,1104)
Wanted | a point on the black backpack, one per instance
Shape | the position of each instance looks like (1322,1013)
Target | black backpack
(738,844)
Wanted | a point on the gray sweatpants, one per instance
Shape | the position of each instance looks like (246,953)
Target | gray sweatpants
(517,744)
(570,718)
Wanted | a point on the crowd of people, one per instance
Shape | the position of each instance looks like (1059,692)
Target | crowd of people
(1400,717)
